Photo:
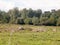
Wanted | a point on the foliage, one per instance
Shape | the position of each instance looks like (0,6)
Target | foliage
(35,20)
(58,22)
(27,21)
(30,16)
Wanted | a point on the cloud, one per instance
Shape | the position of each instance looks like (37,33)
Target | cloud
(42,4)
(4,5)
(34,4)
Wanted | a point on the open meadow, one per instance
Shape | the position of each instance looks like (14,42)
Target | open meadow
(31,35)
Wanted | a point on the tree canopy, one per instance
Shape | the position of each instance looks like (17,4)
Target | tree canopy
(30,16)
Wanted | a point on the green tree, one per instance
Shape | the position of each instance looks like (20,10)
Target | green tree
(38,13)
(58,22)
(14,13)
(6,17)
(1,16)
(43,20)
(30,13)
(35,21)
(27,21)
(51,20)
(24,13)
(19,21)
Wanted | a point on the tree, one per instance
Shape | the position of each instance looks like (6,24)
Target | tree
(43,20)
(27,21)
(19,21)
(47,14)
(1,16)
(14,13)
(57,13)
(24,13)
(58,22)
(30,13)
(51,20)
(38,13)
(35,21)
(6,17)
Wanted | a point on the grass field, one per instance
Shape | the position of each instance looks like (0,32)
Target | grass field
(26,37)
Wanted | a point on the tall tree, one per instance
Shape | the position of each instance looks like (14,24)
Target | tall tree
(14,13)
(38,13)
(30,13)
(35,20)
(58,22)
(24,13)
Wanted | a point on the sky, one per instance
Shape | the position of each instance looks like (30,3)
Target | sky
(45,5)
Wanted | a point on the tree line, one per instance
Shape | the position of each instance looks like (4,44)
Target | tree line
(31,17)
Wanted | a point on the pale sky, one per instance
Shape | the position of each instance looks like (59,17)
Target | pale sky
(34,4)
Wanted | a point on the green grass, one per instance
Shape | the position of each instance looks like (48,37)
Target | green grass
(31,38)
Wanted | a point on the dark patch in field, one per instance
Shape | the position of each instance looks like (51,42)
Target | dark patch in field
(58,40)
